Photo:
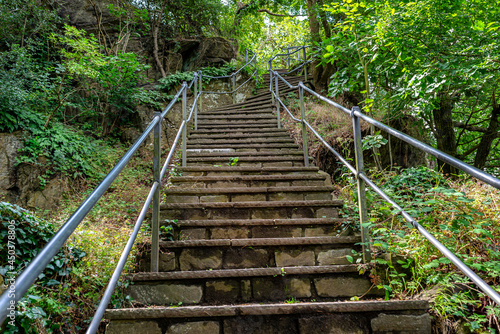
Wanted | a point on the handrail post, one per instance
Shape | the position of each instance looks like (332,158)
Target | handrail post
(255,68)
(288,61)
(201,92)
(271,75)
(195,84)
(305,65)
(304,128)
(246,56)
(184,131)
(277,103)
(233,81)
(363,216)
(155,222)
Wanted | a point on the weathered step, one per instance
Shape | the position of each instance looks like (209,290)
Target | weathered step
(245,104)
(341,317)
(248,170)
(264,161)
(231,117)
(256,228)
(230,286)
(237,124)
(210,153)
(212,135)
(251,210)
(217,179)
(246,194)
(240,130)
(232,140)
(213,254)
(242,111)
(246,146)
(247,107)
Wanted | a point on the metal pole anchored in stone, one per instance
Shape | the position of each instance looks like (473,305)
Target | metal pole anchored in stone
(304,127)
(363,216)
(184,130)
(277,103)
(155,224)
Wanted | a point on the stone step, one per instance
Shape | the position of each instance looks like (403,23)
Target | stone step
(256,228)
(340,317)
(215,177)
(214,254)
(242,108)
(232,140)
(265,93)
(249,130)
(288,173)
(231,286)
(234,111)
(237,124)
(212,153)
(251,210)
(246,146)
(247,194)
(258,161)
(244,104)
(231,117)
(212,135)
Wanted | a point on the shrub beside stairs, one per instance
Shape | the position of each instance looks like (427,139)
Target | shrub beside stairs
(259,246)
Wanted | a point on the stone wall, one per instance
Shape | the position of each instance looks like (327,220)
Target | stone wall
(175,54)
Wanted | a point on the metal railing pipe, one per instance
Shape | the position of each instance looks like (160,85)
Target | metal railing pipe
(471,170)
(233,85)
(38,264)
(305,64)
(304,128)
(363,215)
(278,101)
(196,106)
(155,221)
(108,293)
(445,251)
(201,92)
(184,130)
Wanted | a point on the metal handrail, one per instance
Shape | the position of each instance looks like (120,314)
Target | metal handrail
(38,264)
(363,179)
(251,62)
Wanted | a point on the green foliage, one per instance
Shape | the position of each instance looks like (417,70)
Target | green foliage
(59,149)
(22,21)
(462,216)
(233,161)
(407,57)
(171,81)
(30,235)
(21,79)
(111,81)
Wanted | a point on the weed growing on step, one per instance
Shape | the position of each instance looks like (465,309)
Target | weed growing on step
(233,161)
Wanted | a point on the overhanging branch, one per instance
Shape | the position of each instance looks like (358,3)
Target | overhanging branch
(274,14)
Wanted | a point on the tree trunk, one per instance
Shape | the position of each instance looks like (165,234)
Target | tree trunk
(156,26)
(321,74)
(488,137)
(445,133)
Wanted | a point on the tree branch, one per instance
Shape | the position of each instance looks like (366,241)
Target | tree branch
(274,14)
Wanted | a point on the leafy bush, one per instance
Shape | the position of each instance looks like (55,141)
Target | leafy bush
(460,214)
(31,234)
(172,80)
(65,151)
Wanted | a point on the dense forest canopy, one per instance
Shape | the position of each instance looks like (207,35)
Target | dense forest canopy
(436,60)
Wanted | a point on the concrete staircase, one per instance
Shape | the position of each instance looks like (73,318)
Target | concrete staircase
(259,246)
